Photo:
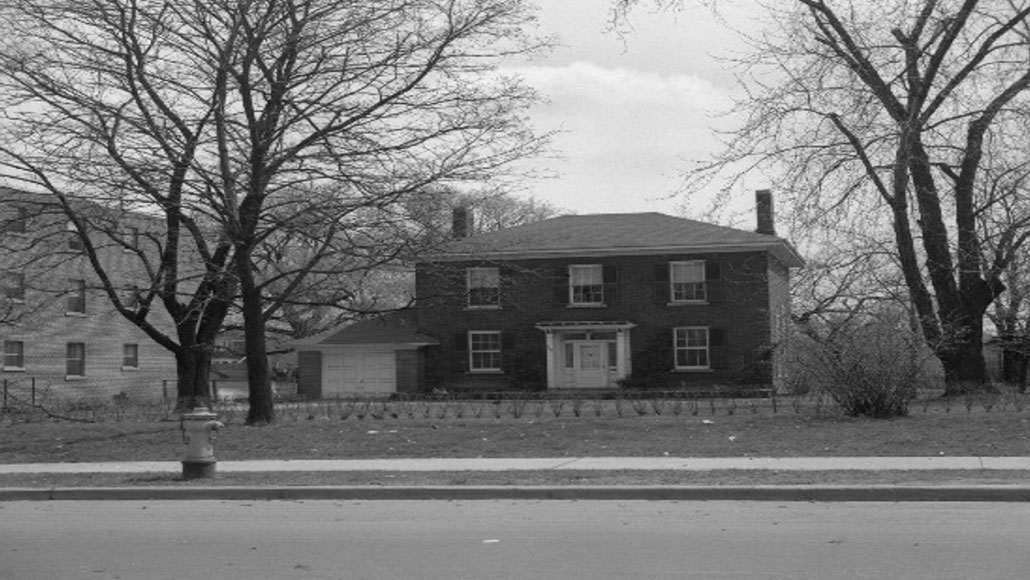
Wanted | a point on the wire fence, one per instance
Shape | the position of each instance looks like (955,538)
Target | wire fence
(32,403)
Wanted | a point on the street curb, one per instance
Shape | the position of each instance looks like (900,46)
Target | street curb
(984,493)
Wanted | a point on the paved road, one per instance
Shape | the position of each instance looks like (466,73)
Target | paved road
(499,540)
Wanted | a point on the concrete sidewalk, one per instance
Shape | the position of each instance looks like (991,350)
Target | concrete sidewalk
(550,464)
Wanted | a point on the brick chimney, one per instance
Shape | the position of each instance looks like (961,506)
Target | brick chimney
(764,212)
(461,223)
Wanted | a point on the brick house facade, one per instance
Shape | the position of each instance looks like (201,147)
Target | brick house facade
(578,302)
(595,301)
(58,329)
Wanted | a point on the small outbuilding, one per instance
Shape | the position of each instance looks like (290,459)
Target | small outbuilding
(377,356)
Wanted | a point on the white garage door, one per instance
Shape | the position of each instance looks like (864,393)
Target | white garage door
(359,373)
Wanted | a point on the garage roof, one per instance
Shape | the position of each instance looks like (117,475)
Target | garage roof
(394,328)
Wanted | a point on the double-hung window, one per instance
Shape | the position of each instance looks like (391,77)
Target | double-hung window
(75,359)
(484,287)
(19,223)
(14,355)
(484,351)
(688,281)
(130,356)
(692,347)
(14,286)
(586,285)
(75,242)
(77,297)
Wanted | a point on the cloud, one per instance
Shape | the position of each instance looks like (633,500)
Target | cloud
(587,82)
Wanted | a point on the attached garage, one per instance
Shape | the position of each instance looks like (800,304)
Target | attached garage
(374,357)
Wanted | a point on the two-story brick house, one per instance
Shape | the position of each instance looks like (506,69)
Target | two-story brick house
(58,329)
(587,301)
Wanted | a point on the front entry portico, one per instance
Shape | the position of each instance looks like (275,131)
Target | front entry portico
(586,355)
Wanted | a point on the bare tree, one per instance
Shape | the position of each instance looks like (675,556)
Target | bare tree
(214,113)
(893,107)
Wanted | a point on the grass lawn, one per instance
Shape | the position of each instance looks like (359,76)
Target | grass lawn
(746,432)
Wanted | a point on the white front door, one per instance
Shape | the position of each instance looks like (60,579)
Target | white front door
(359,373)
(590,365)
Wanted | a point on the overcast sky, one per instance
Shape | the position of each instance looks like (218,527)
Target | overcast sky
(633,110)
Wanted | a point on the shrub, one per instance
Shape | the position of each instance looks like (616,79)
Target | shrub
(869,368)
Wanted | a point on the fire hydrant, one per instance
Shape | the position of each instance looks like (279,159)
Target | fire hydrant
(199,433)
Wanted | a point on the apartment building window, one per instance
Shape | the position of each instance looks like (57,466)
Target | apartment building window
(484,287)
(19,223)
(75,242)
(130,356)
(132,297)
(14,286)
(586,285)
(77,297)
(75,360)
(14,355)
(688,281)
(484,351)
(691,347)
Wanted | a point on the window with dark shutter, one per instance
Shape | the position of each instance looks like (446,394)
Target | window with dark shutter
(610,277)
(460,355)
(717,348)
(661,283)
(713,281)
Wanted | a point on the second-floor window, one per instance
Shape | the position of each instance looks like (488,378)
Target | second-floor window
(75,242)
(688,281)
(484,287)
(75,359)
(14,286)
(14,355)
(586,285)
(77,297)
(18,223)
(130,356)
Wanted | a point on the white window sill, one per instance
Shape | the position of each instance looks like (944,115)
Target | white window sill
(484,307)
(75,377)
(131,369)
(589,305)
(689,370)
(486,372)
(688,303)
(13,369)
(76,314)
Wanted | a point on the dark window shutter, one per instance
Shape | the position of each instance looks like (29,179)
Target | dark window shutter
(714,288)
(717,348)
(506,286)
(661,283)
(561,287)
(507,352)
(460,355)
(610,277)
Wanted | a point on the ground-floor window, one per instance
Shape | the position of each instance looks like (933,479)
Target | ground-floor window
(484,351)
(691,347)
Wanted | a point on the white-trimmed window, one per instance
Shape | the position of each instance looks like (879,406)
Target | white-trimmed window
(14,355)
(687,281)
(18,224)
(130,356)
(586,284)
(484,287)
(484,351)
(692,347)
(77,297)
(75,242)
(14,286)
(75,360)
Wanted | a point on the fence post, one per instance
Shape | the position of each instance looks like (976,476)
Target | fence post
(5,394)
(164,393)
(33,391)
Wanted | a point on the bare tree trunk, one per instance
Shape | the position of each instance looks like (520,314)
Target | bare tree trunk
(259,384)
(193,367)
